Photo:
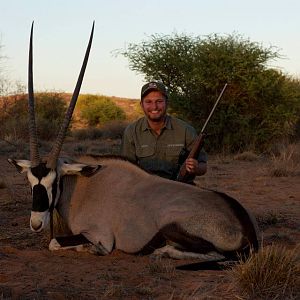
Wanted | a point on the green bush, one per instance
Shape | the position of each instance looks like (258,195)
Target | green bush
(49,108)
(98,110)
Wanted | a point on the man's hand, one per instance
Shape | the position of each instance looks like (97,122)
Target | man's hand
(194,167)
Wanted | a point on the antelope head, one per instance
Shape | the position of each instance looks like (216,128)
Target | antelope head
(44,175)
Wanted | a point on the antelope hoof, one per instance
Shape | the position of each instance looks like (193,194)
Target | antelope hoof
(54,245)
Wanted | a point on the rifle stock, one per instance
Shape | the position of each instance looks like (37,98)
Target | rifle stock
(183,174)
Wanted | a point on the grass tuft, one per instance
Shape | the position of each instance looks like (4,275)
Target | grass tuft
(285,163)
(271,273)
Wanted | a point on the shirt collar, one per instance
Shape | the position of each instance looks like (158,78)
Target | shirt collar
(167,125)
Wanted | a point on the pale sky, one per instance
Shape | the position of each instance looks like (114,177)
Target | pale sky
(62,29)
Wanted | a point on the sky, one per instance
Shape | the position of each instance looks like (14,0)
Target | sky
(62,29)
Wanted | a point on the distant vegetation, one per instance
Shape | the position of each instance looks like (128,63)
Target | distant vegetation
(259,110)
(98,110)
(50,109)
(95,116)
(261,106)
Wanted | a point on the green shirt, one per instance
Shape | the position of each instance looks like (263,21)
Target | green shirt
(158,154)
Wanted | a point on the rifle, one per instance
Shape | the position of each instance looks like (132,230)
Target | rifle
(183,175)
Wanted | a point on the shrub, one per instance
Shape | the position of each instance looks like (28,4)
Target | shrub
(114,129)
(91,133)
(272,273)
(270,218)
(286,162)
(80,149)
(98,110)
(17,148)
(50,110)
(110,130)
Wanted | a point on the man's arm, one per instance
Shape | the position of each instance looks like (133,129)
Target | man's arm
(127,145)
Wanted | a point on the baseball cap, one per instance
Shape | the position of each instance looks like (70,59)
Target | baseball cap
(154,86)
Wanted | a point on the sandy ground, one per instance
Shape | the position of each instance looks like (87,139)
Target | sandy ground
(29,271)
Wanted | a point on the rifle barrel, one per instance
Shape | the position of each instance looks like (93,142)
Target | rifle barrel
(213,109)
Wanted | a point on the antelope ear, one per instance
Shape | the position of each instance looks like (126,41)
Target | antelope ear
(79,169)
(21,165)
(90,170)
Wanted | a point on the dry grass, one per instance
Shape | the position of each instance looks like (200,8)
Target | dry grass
(246,156)
(286,162)
(144,291)
(222,158)
(272,273)
(270,218)
(110,276)
(115,290)
(120,291)
(91,147)
(160,266)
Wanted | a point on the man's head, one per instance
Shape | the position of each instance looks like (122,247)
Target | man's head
(154,97)
(154,86)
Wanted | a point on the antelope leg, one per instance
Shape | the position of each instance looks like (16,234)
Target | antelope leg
(77,242)
(171,251)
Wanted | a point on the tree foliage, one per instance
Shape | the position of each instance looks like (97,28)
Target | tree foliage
(98,110)
(260,105)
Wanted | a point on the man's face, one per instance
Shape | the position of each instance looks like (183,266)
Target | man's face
(154,106)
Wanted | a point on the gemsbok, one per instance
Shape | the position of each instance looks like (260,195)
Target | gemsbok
(114,204)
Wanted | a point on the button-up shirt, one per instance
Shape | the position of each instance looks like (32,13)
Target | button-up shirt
(159,154)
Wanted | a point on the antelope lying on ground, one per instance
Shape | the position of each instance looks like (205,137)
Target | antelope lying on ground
(116,205)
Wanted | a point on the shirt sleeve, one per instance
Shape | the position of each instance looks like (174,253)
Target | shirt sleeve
(128,145)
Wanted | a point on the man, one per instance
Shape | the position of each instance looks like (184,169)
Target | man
(155,141)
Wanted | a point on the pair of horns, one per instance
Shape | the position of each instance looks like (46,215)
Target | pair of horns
(33,140)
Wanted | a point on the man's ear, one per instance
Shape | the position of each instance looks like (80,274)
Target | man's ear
(21,165)
(79,169)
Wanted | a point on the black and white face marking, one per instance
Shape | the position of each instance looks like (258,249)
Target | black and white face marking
(46,185)
(43,183)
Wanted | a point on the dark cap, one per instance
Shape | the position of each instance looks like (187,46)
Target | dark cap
(154,86)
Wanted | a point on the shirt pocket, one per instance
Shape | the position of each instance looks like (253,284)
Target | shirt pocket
(172,152)
(144,151)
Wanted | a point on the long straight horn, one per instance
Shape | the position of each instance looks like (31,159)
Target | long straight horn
(51,163)
(33,141)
